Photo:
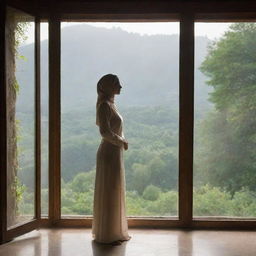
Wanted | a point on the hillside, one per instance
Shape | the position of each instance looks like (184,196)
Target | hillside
(146,65)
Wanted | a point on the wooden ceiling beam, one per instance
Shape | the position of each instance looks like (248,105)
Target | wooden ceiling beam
(138,10)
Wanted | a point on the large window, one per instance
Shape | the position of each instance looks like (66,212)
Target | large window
(173,178)
(145,56)
(225,111)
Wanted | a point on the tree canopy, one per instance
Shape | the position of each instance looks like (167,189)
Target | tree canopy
(229,133)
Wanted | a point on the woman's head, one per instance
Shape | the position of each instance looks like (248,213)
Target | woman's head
(108,85)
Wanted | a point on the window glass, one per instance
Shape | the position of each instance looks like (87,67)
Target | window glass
(225,110)
(145,57)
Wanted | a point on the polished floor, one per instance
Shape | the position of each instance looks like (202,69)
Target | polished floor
(144,242)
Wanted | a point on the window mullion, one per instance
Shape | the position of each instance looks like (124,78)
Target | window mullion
(54,119)
(186,110)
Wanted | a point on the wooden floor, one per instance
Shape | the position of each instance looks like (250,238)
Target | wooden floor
(144,242)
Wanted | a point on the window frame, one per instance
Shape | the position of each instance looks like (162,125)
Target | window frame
(8,233)
(186,127)
(187,13)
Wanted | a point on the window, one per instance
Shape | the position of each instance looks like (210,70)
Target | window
(183,167)
(224,163)
(148,68)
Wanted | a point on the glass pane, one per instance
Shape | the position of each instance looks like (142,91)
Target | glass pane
(225,111)
(20,117)
(145,57)
(44,118)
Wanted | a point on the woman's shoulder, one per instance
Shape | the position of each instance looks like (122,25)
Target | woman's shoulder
(105,106)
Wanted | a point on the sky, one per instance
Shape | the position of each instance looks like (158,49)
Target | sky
(211,30)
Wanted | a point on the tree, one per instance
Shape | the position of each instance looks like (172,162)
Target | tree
(83,181)
(141,177)
(229,134)
(151,192)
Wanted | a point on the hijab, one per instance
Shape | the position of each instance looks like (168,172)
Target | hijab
(105,90)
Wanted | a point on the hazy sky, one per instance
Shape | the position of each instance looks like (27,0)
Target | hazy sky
(211,30)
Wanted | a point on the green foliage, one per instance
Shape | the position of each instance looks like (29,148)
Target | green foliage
(83,182)
(19,189)
(21,32)
(208,201)
(244,203)
(141,177)
(225,139)
(17,186)
(214,201)
(68,201)
(136,205)
(78,155)
(151,192)
(165,205)
(211,201)
(228,133)
(73,203)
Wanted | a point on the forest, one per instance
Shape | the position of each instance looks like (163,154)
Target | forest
(224,134)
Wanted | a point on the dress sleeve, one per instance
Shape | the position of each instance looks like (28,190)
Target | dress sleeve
(104,113)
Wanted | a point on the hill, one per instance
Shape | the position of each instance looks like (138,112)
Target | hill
(148,67)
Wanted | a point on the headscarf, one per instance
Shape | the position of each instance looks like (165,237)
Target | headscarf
(105,89)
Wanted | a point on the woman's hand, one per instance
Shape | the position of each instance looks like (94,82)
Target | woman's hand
(125,145)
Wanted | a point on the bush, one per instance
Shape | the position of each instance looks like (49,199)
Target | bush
(83,181)
(151,192)
(244,203)
(211,201)
(166,205)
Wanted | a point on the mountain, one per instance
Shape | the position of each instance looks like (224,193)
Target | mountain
(147,66)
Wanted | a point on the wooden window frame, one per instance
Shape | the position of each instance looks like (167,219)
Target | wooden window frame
(128,12)
(3,128)
(186,127)
(7,234)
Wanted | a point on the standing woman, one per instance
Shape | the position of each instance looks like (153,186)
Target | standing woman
(109,223)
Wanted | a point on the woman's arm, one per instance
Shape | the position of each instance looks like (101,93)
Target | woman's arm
(104,113)
(126,142)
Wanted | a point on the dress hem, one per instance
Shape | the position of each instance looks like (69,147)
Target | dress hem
(109,242)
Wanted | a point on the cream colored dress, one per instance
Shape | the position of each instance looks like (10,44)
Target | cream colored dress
(109,212)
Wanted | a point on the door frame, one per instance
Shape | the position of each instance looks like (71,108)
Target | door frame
(24,227)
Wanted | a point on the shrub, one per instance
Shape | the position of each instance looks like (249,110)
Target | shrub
(151,192)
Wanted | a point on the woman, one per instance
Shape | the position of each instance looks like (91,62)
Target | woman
(109,215)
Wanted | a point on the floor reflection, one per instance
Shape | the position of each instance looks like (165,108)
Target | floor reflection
(185,243)
(108,250)
(144,242)
(54,241)
(29,244)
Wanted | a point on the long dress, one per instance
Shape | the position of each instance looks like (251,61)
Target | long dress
(109,210)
